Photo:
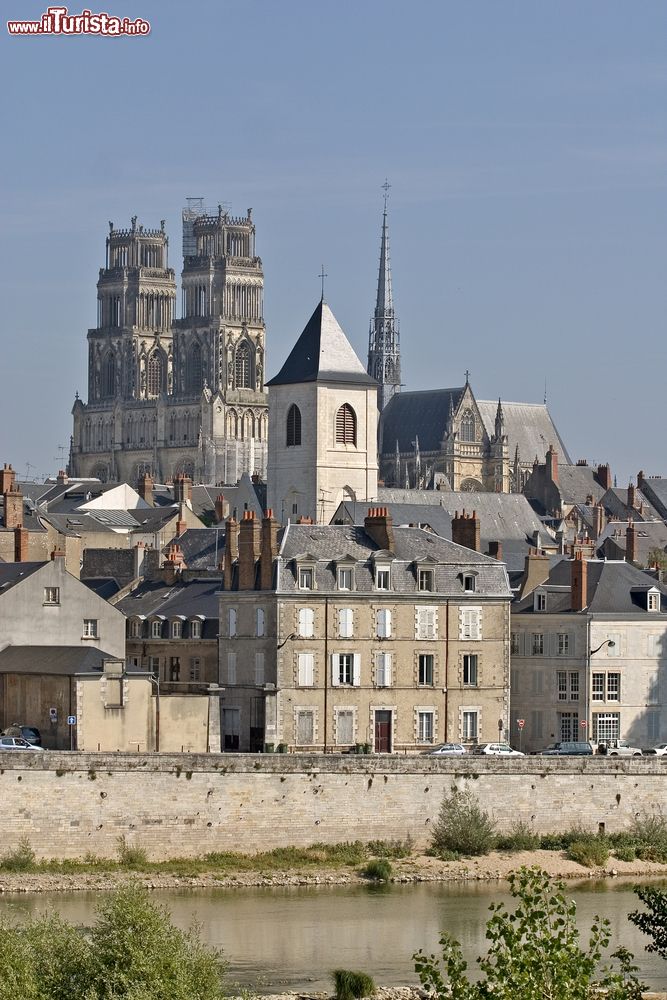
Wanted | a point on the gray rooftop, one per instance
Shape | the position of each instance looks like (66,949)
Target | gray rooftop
(613,588)
(423,414)
(185,598)
(54,660)
(527,425)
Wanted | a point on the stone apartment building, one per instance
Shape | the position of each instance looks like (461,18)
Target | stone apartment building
(589,653)
(338,635)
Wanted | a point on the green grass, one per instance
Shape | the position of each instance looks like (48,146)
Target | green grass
(352,985)
(521,837)
(377,870)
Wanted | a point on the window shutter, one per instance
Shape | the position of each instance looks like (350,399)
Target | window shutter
(306,620)
(259,669)
(356,669)
(232,622)
(385,659)
(260,622)
(335,676)
(231,667)
(306,669)
(345,623)
(346,425)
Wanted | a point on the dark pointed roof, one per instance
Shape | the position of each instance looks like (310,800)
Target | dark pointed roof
(322,354)
(423,414)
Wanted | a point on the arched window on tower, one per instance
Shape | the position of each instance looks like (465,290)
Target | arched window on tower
(193,373)
(293,426)
(467,426)
(109,375)
(243,365)
(346,425)
(155,374)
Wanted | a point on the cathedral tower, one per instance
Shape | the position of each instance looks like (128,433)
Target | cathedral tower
(384,352)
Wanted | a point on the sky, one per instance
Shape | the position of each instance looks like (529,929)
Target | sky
(526,148)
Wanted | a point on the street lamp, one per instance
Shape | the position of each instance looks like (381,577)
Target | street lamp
(607,642)
(589,677)
(292,635)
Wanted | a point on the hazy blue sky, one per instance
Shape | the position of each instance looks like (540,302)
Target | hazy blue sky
(527,151)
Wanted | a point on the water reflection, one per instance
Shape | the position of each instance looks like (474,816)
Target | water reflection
(290,938)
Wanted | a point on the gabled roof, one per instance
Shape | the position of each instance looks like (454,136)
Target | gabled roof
(190,599)
(613,588)
(527,425)
(423,414)
(322,354)
(16,572)
(202,548)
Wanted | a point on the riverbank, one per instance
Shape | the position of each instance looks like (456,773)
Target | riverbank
(415,868)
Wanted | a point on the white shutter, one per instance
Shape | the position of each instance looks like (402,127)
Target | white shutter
(383,620)
(260,618)
(383,670)
(232,622)
(259,669)
(356,669)
(231,667)
(345,623)
(306,669)
(306,620)
(335,674)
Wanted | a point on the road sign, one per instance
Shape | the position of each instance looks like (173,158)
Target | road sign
(521,723)
(583,723)
(71,720)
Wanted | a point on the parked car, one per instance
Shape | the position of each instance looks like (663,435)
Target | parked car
(497,750)
(18,743)
(447,750)
(618,748)
(659,751)
(29,733)
(568,749)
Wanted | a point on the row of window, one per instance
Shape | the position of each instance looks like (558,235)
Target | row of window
(170,669)
(540,600)
(605,685)
(345,426)
(563,644)
(606,726)
(346,728)
(381,579)
(156,628)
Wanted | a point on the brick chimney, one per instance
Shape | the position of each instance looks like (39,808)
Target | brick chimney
(145,488)
(465,530)
(640,480)
(21,538)
(552,464)
(631,543)
(269,550)
(231,550)
(536,568)
(598,520)
(13,509)
(631,495)
(603,476)
(181,524)
(174,563)
(579,583)
(496,550)
(62,478)
(7,479)
(249,549)
(379,525)
(220,507)
(57,554)
(182,489)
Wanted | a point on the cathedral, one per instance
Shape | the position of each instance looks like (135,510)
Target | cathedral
(171,396)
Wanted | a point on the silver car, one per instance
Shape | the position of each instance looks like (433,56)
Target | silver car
(447,750)
(497,750)
(18,743)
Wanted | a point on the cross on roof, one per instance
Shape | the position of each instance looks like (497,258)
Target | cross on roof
(323,275)
(386,187)
(467,375)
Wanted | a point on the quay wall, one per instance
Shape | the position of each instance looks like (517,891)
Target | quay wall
(185,805)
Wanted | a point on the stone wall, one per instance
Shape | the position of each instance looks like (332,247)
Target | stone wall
(189,804)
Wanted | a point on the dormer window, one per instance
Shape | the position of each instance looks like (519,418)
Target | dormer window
(305,578)
(195,628)
(176,629)
(382,578)
(345,578)
(540,603)
(469,583)
(425,579)
(653,600)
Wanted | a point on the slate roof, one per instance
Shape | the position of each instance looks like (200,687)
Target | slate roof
(655,490)
(528,425)
(189,598)
(31,519)
(202,548)
(143,518)
(53,660)
(648,535)
(613,588)
(423,413)
(322,354)
(577,482)
(327,543)
(13,573)
(615,502)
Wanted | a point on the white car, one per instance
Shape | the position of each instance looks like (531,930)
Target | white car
(659,751)
(497,750)
(17,743)
(447,750)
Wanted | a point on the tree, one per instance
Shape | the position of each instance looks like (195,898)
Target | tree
(534,954)
(133,952)
(654,921)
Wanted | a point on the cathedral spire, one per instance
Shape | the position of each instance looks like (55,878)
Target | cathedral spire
(500,420)
(384,356)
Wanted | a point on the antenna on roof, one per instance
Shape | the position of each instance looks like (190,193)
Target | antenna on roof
(545,391)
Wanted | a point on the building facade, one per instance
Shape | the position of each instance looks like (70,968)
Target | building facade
(171,396)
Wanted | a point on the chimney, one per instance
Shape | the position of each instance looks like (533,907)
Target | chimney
(269,550)
(13,509)
(255,478)
(631,495)
(535,572)
(640,480)
(598,520)
(57,554)
(379,525)
(145,488)
(603,476)
(631,543)
(181,525)
(21,538)
(231,550)
(465,530)
(7,479)
(496,550)
(220,507)
(249,549)
(552,464)
(579,583)
(182,489)
(139,556)
(174,563)
(62,478)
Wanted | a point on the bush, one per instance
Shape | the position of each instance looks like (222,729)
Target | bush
(462,826)
(21,859)
(130,857)
(391,848)
(592,851)
(521,837)
(377,870)
(350,985)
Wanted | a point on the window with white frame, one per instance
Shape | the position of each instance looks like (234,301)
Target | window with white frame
(305,727)
(574,685)
(469,583)
(538,644)
(176,629)
(231,622)
(562,685)
(568,685)
(231,667)
(51,595)
(306,578)
(470,723)
(306,669)
(613,687)
(259,669)
(382,578)
(195,628)
(563,643)
(515,644)
(540,601)
(175,668)
(344,726)
(345,578)
(345,623)
(606,726)
(598,687)
(383,670)
(306,623)
(260,622)
(90,628)
(568,726)
(154,665)
(426,623)
(653,726)
(606,686)
(470,627)
(653,603)
(135,628)
(195,668)
(425,726)
(343,668)
(425,579)
(470,669)
(383,623)
(425,671)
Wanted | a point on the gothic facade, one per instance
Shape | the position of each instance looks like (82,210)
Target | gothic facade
(165,395)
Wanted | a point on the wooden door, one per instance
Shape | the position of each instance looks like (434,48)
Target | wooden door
(383,732)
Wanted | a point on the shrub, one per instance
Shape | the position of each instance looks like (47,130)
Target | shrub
(130,857)
(377,870)
(592,851)
(391,848)
(462,826)
(521,837)
(21,859)
(350,985)
(551,842)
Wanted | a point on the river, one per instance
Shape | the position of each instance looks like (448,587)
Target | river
(281,939)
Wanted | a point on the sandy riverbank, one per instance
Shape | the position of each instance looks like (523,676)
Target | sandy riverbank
(417,868)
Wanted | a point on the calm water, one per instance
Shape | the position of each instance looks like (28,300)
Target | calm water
(284,938)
